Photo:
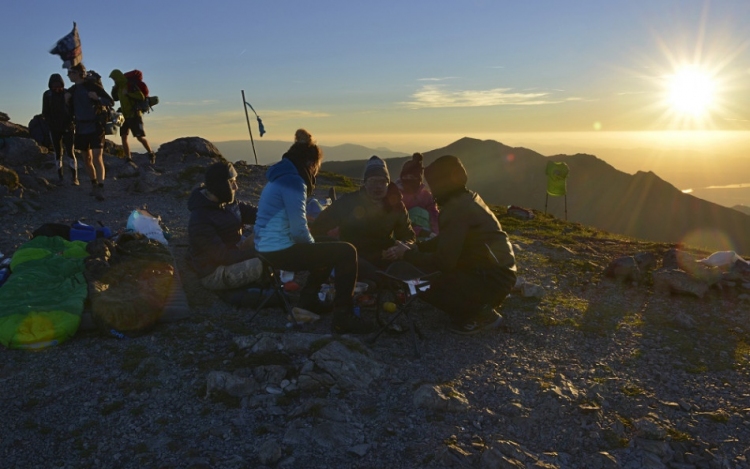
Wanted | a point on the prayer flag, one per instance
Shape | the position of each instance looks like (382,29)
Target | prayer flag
(69,49)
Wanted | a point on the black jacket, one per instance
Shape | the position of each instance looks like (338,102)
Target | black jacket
(56,111)
(470,240)
(214,230)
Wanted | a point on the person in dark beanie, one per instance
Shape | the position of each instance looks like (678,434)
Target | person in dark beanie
(224,259)
(373,219)
(472,252)
(418,201)
(283,238)
(60,121)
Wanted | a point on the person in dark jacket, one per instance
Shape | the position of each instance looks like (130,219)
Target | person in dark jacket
(222,259)
(283,237)
(86,99)
(60,122)
(472,252)
(373,219)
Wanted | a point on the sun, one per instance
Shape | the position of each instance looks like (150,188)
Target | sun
(691,91)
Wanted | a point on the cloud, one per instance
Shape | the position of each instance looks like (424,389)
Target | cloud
(436,79)
(436,96)
(204,102)
(293,114)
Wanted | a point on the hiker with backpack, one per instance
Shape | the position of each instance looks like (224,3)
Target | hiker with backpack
(225,262)
(59,119)
(373,219)
(283,238)
(472,253)
(132,92)
(90,106)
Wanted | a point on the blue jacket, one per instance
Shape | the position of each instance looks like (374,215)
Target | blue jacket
(282,216)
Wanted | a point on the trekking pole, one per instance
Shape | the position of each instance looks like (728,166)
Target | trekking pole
(247,118)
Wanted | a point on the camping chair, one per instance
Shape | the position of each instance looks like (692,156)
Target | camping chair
(402,276)
(271,281)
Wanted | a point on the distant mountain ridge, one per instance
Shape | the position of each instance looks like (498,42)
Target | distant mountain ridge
(640,205)
(270,151)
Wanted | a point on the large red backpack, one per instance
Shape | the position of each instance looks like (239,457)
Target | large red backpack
(135,82)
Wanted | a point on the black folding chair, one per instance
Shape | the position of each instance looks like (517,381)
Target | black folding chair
(271,281)
(402,276)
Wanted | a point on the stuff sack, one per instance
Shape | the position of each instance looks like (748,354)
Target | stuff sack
(130,297)
(141,221)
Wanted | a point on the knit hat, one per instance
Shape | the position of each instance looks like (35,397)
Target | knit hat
(413,166)
(56,79)
(375,167)
(217,181)
(445,175)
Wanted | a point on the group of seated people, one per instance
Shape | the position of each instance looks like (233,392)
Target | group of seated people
(446,229)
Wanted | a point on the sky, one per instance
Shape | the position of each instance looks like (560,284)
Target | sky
(406,75)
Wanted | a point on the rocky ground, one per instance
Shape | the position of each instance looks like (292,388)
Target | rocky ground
(589,373)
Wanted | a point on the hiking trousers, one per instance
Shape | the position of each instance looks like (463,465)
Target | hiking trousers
(319,259)
(462,294)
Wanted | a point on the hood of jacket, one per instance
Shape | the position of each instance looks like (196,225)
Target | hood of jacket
(198,200)
(283,168)
(119,78)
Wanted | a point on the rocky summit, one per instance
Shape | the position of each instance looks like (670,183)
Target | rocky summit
(615,352)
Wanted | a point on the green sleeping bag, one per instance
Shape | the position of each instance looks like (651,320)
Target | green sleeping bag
(43,299)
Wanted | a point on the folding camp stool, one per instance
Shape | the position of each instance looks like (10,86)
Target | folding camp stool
(405,277)
(271,281)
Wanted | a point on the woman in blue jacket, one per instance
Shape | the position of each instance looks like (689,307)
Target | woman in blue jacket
(282,235)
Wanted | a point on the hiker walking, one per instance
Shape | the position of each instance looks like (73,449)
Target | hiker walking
(88,102)
(60,122)
(129,95)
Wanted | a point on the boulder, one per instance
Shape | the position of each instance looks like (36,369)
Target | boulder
(678,281)
(188,148)
(9,129)
(20,151)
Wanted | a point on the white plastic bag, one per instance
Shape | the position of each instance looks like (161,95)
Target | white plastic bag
(143,222)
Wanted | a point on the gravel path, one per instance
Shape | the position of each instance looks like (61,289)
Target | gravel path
(594,374)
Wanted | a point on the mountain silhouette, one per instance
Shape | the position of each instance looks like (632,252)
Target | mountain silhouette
(641,205)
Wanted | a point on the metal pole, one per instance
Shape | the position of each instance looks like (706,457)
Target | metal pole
(247,118)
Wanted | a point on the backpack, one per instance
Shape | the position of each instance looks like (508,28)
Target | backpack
(103,113)
(135,83)
(39,130)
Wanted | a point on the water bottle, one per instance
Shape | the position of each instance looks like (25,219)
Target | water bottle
(357,311)
(4,274)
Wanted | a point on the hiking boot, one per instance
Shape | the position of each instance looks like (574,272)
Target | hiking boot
(486,319)
(346,321)
(99,192)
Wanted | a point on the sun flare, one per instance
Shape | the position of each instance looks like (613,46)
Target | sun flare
(691,91)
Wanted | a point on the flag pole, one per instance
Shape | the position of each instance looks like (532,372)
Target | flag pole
(247,118)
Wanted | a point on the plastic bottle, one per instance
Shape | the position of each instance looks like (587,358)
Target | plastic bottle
(4,274)
(357,311)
